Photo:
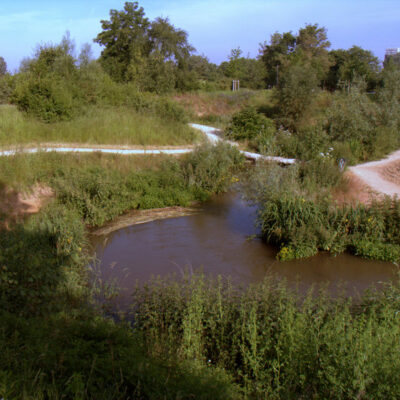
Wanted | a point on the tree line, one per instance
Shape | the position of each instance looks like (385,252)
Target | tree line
(156,57)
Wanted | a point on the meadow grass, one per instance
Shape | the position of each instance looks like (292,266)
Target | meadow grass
(216,108)
(107,125)
(100,186)
(273,342)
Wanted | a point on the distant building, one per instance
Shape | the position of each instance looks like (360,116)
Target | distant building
(392,54)
(392,51)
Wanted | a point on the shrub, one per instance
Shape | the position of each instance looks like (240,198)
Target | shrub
(275,343)
(7,85)
(35,259)
(210,168)
(249,124)
(47,99)
(302,227)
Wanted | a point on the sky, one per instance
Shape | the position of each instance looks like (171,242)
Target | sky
(214,26)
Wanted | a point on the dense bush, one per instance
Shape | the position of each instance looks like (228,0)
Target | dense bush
(301,228)
(46,99)
(248,124)
(37,259)
(275,343)
(99,194)
(297,214)
(7,83)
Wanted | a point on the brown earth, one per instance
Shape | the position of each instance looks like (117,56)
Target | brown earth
(370,181)
(14,205)
(353,190)
(136,217)
(383,176)
(206,106)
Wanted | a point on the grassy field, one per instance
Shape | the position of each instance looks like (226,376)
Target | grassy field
(111,125)
(217,108)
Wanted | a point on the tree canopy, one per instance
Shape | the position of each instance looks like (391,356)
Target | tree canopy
(124,38)
(3,66)
(153,54)
(308,47)
(352,64)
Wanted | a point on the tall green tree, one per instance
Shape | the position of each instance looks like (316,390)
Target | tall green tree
(296,92)
(170,42)
(392,61)
(249,71)
(309,46)
(312,47)
(350,65)
(169,47)
(3,67)
(154,55)
(125,41)
(276,54)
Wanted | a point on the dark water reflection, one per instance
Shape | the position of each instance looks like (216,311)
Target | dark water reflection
(216,242)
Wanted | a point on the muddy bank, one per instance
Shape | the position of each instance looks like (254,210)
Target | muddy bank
(136,217)
(15,206)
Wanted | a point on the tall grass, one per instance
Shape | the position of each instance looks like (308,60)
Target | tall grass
(55,343)
(297,214)
(274,343)
(107,125)
(100,187)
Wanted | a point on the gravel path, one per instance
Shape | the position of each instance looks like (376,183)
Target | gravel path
(209,131)
(382,176)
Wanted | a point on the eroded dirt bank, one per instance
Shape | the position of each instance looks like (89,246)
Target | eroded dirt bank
(14,205)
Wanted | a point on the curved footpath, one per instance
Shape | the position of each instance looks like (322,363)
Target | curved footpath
(209,131)
(381,176)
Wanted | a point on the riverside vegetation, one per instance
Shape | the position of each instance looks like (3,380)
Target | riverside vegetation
(192,336)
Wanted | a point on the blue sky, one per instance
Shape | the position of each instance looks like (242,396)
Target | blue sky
(214,26)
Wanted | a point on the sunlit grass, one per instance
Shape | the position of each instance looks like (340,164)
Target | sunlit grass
(112,125)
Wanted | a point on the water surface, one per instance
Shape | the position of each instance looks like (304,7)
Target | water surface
(217,242)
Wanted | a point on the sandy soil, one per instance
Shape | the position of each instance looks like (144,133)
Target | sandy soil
(353,191)
(16,205)
(136,217)
(381,176)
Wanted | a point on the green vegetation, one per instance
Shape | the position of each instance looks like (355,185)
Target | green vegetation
(273,342)
(99,183)
(254,128)
(298,215)
(112,125)
(55,341)
(195,337)
(217,108)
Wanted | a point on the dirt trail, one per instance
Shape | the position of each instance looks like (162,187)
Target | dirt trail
(382,176)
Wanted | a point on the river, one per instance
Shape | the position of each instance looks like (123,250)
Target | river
(216,241)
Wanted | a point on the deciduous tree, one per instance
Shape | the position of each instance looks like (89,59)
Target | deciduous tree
(3,66)
(125,41)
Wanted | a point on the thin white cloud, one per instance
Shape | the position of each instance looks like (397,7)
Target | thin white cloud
(9,21)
